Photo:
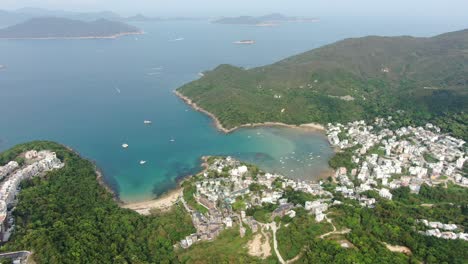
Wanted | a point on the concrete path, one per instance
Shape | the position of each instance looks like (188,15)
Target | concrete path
(275,243)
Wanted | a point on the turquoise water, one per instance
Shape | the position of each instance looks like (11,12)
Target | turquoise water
(68,91)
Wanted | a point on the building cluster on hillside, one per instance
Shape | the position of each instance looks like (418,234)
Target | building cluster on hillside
(227,180)
(11,176)
(382,159)
(386,159)
(208,227)
(446,233)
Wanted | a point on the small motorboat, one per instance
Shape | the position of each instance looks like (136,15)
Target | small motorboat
(142,162)
(125,145)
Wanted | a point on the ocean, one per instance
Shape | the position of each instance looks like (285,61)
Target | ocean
(93,95)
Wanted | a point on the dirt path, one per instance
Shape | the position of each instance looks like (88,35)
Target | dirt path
(295,258)
(399,249)
(341,232)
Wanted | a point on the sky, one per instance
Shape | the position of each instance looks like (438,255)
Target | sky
(387,8)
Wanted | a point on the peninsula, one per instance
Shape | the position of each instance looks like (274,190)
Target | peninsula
(220,127)
(353,79)
(63,28)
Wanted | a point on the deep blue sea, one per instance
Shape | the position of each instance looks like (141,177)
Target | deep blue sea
(93,95)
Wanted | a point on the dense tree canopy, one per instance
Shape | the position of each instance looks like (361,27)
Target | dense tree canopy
(353,79)
(67,217)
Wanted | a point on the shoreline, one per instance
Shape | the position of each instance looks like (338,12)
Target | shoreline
(99,177)
(163,203)
(102,182)
(220,127)
(114,36)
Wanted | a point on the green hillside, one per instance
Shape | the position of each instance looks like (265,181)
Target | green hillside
(68,217)
(348,80)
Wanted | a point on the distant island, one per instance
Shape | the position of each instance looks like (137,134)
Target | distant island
(267,20)
(420,79)
(63,28)
(13,17)
(142,18)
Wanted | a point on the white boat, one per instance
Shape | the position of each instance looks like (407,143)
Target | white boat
(125,145)
(172,140)
(245,42)
(153,73)
(147,122)
(142,162)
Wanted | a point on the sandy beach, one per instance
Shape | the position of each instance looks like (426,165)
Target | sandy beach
(162,203)
(219,126)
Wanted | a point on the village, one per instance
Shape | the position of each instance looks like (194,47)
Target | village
(383,159)
(386,159)
(227,183)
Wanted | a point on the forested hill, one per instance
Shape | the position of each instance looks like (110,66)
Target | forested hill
(54,27)
(348,80)
(68,217)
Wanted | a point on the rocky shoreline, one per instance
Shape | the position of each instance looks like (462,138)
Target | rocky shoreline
(220,127)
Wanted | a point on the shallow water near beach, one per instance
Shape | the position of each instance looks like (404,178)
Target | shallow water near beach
(94,95)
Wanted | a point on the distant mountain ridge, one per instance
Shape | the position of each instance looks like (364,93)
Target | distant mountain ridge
(9,18)
(142,18)
(348,80)
(251,20)
(54,27)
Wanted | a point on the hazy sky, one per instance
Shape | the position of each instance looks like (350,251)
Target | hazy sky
(433,8)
